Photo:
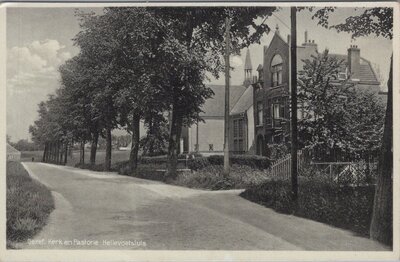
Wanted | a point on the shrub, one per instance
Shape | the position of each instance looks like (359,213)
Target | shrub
(29,204)
(253,161)
(211,177)
(276,151)
(341,206)
(198,163)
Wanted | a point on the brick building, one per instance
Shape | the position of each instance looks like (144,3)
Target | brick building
(271,86)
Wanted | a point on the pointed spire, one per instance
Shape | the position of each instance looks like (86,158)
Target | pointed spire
(247,63)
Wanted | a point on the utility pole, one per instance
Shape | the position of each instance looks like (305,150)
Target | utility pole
(293,99)
(227,79)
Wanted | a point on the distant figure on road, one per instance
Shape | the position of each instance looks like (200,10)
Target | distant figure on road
(33,159)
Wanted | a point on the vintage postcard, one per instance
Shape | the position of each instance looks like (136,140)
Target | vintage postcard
(240,131)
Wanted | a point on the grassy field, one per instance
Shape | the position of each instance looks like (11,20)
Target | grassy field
(116,156)
(29,204)
(26,156)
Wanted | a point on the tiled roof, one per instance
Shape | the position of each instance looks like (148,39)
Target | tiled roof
(11,149)
(366,72)
(244,102)
(215,106)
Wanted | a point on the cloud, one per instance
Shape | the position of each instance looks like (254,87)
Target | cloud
(32,74)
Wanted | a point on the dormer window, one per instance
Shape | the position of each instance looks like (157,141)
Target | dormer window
(276,70)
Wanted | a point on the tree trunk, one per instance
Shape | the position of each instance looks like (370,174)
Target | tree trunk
(152,133)
(367,159)
(52,152)
(381,225)
(66,153)
(93,148)
(44,152)
(61,153)
(57,152)
(82,154)
(107,163)
(174,141)
(71,148)
(133,157)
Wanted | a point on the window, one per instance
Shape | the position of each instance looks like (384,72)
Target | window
(235,128)
(342,76)
(275,110)
(238,128)
(259,113)
(210,147)
(240,124)
(278,111)
(276,70)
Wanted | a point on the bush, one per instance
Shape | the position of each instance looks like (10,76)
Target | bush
(253,161)
(198,163)
(29,204)
(211,177)
(341,206)
(277,151)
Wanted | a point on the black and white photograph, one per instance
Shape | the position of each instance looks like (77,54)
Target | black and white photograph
(199,127)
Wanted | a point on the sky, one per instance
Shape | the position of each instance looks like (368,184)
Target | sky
(39,40)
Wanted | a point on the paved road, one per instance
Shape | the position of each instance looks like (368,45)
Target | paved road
(109,211)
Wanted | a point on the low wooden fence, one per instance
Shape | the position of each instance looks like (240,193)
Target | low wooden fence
(282,167)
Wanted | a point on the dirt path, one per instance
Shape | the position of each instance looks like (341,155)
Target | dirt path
(107,211)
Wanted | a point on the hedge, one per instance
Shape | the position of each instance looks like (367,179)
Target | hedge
(253,161)
(197,162)
(341,206)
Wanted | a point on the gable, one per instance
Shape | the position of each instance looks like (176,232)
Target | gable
(244,102)
(11,149)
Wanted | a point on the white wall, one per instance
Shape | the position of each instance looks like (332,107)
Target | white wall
(250,127)
(210,132)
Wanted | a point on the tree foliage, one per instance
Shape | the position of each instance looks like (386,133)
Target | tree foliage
(372,21)
(376,21)
(339,116)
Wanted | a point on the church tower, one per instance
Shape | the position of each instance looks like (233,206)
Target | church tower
(248,74)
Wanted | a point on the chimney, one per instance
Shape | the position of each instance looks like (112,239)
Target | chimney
(305,36)
(353,62)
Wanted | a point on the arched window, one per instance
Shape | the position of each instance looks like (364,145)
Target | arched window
(276,70)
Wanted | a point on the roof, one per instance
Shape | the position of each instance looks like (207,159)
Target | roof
(366,72)
(244,102)
(215,106)
(247,63)
(11,149)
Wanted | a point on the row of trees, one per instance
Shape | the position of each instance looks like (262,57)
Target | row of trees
(137,64)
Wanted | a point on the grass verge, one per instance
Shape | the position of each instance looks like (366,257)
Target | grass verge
(29,204)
